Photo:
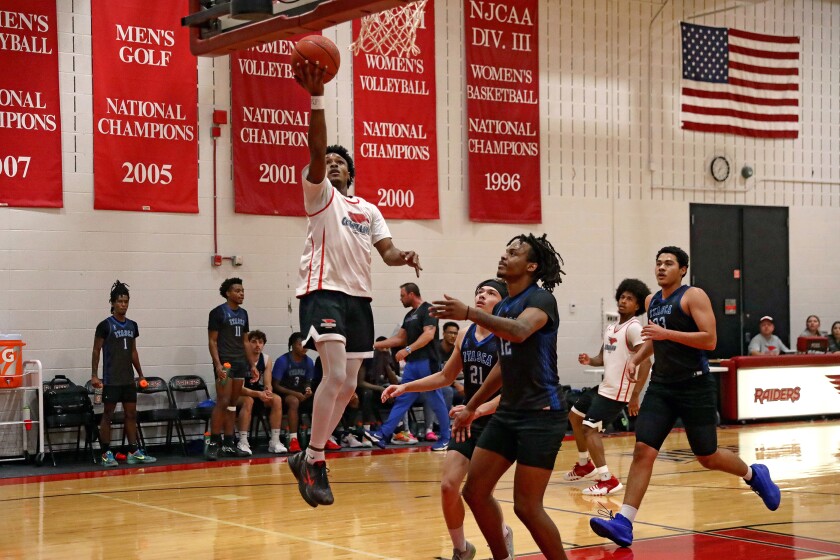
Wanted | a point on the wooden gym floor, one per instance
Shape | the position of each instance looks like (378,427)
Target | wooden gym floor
(387,506)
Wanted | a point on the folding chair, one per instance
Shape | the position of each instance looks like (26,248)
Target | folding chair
(61,422)
(189,392)
(155,405)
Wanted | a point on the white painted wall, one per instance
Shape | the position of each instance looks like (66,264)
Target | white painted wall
(617,178)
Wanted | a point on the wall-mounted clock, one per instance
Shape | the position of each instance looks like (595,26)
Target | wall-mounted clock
(720,169)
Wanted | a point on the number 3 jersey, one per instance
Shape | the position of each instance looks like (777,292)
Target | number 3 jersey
(340,232)
(478,357)
(620,342)
(117,350)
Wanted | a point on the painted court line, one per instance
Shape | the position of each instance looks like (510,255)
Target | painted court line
(278,534)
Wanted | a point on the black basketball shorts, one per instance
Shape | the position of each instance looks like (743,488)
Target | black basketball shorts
(327,315)
(119,393)
(602,412)
(466,448)
(531,437)
(693,400)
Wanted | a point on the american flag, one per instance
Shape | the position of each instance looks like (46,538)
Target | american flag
(738,82)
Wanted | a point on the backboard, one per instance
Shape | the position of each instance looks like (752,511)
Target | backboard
(214,33)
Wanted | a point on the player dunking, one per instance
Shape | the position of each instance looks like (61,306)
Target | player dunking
(530,422)
(681,327)
(334,284)
(475,353)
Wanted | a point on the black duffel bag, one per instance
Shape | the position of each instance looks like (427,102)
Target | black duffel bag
(62,396)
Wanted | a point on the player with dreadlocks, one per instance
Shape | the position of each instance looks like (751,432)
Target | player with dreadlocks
(115,337)
(530,422)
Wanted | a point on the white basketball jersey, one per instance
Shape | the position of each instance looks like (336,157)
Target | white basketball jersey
(340,233)
(620,341)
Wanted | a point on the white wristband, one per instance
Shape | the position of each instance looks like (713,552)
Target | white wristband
(317,102)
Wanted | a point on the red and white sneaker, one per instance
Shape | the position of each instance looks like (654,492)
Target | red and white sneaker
(294,446)
(578,472)
(604,487)
(331,445)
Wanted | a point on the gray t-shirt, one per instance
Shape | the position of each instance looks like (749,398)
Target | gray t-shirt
(773,345)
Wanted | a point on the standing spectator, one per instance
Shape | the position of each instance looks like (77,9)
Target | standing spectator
(600,406)
(116,337)
(334,284)
(766,343)
(227,334)
(291,378)
(834,338)
(476,351)
(530,422)
(681,327)
(416,335)
(812,327)
(261,391)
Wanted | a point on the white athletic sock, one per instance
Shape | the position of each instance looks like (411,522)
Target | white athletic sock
(275,436)
(583,458)
(603,472)
(629,512)
(292,436)
(313,456)
(243,436)
(459,541)
(748,476)
(505,530)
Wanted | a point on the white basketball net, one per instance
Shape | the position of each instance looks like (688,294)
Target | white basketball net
(392,31)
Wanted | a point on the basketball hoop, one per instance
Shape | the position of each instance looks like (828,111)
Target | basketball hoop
(392,31)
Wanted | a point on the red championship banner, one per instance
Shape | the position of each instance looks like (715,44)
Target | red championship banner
(30,123)
(503,120)
(269,126)
(395,133)
(145,128)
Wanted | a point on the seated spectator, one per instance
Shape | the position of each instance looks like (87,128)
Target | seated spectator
(766,343)
(812,327)
(259,390)
(834,338)
(291,378)
(375,374)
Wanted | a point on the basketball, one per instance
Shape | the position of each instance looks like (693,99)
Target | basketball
(319,50)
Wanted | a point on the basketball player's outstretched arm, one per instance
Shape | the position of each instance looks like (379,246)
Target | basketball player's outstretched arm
(443,378)
(394,257)
(526,323)
(311,78)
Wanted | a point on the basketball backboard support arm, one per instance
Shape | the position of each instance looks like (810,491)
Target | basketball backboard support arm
(210,37)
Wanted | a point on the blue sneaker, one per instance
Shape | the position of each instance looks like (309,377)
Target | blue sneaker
(108,459)
(140,456)
(763,485)
(440,445)
(618,529)
(377,438)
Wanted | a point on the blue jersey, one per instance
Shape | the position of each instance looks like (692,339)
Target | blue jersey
(478,358)
(232,326)
(293,375)
(117,350)
(674,361)
(529,368)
